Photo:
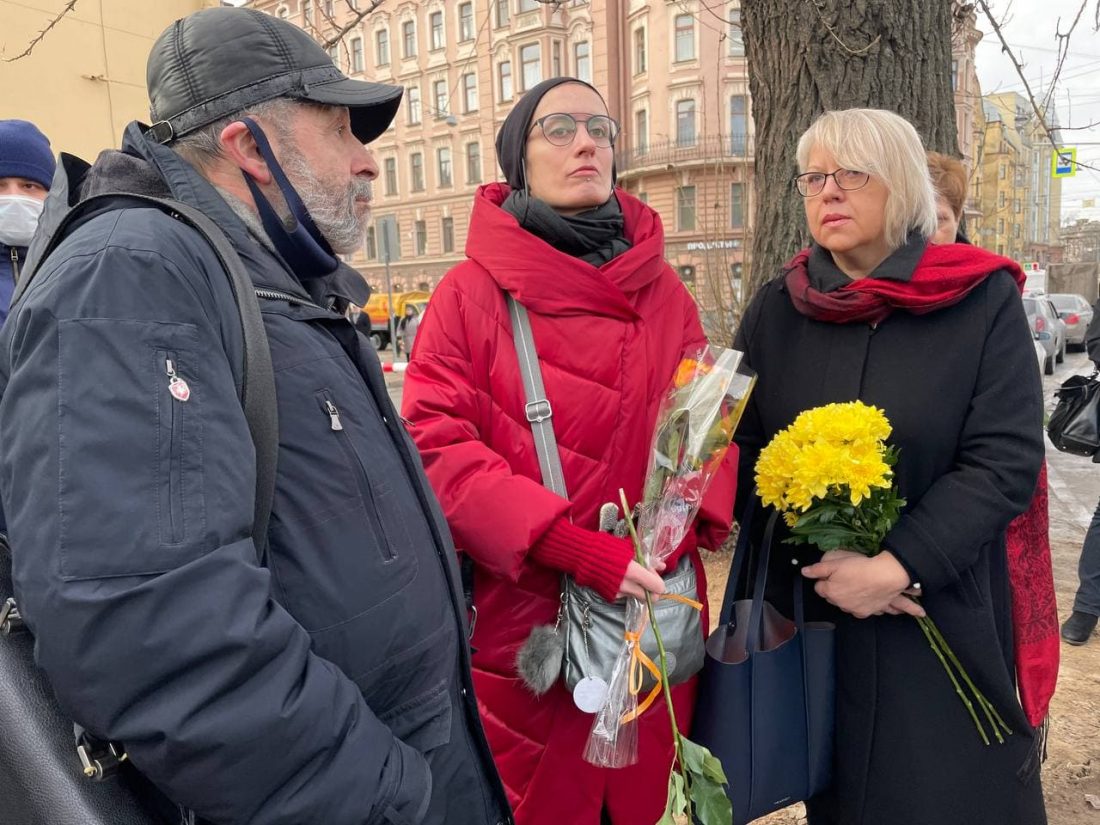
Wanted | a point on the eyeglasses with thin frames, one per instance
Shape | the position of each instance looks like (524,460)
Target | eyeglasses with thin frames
(809,184)
(560,129)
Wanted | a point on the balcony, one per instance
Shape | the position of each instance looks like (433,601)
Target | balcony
(669,153)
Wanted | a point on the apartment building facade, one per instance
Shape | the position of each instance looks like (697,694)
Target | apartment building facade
(674,75)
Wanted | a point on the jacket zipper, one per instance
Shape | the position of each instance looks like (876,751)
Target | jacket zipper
(275,295)
(175,470)
(366,492)
(14,265)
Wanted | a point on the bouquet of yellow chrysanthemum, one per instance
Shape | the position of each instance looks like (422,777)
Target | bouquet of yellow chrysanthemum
(830,474)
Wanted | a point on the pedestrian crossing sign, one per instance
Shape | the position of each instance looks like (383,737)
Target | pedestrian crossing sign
(1063,163)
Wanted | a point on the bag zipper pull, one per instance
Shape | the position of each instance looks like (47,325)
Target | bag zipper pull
(333,416)
(176,385)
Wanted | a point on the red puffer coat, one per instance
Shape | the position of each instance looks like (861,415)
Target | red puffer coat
(608,340)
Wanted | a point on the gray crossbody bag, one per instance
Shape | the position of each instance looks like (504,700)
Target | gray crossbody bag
(589,629)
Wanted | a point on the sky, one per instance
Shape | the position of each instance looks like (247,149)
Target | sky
(1030,27)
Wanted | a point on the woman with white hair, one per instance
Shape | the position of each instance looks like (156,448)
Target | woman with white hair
(936,337)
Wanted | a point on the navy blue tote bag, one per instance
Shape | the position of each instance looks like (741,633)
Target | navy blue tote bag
(767,695)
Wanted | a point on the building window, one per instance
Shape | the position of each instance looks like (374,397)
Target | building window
(357,54)
(328,9)
(1003,171)
(1000,226)
(1018,206)
(643,197)
(734,35)
(639,51)
(408,39)
(528,5)
(1015,230)
(421,237)
(582,60)
(469,92)
(391,167)
(641,131)
(414,108)
(448,232)
(737,205)
(685,123)
(739,125)
(416,166)
(443,165)
(954,75)
(555,63)
(503,13)
(307,12)
(465,22)
(439,95)
(685,38)
(372,244)
(685,208)
(504,72)
(435,22)
(382,47)
(1000,249)
(1000,200)
(334,54)
(473,163)
(530,61)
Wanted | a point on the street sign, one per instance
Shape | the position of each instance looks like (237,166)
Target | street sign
(1063,163)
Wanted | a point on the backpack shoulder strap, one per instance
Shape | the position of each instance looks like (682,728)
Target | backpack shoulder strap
(258,377)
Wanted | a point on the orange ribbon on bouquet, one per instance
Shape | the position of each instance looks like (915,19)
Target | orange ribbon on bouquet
(640,659)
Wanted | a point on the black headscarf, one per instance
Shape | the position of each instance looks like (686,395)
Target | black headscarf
(595,236)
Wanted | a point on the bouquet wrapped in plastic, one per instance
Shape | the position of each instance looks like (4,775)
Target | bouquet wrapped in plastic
(694,429)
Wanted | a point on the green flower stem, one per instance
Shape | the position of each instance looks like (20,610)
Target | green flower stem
(665,689)
(924,622)
(995,719)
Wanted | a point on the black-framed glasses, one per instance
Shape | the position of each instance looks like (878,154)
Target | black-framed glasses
(560,128)
(809,184)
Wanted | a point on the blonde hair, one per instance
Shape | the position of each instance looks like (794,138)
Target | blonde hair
(886,145)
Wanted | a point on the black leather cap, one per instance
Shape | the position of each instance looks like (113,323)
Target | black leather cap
(219,61)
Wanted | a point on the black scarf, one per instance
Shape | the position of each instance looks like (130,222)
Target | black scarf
(595,236)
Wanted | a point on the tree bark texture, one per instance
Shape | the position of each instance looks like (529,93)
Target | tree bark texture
(809,56)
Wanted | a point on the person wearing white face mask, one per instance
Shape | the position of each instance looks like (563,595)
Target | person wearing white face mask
(26,170)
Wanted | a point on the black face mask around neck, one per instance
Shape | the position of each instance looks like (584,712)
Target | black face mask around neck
(300,243)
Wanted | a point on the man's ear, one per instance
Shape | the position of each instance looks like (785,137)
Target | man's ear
(240,148)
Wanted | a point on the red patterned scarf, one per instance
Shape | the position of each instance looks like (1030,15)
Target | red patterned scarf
(943,277)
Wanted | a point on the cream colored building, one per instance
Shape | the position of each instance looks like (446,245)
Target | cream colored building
(85,80)
(678,86)
(969,118)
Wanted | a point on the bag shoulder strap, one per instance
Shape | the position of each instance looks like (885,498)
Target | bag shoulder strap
(538,410)
(258,377)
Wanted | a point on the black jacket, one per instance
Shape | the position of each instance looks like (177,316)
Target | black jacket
(962,392)
(332,687)
(1092,335)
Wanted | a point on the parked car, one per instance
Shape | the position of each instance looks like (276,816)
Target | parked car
(1076,312)
(1048,328)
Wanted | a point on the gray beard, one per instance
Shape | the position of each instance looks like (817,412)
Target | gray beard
(249,217)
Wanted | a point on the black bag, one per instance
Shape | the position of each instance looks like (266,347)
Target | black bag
(767,694)
(1074,426)
(52,771)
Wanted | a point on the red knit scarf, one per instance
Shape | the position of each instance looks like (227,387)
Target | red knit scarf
(943,277)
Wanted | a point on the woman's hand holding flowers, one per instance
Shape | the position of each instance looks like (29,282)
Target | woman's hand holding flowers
(639,580)
(863,586)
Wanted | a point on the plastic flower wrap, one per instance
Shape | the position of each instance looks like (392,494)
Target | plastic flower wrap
(695,426)
(830,474)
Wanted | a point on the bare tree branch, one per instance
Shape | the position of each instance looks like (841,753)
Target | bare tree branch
(356,19)
(1063,52)
(38,39)
(1027,86)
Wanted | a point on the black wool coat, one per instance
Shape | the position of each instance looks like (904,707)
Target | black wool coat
(962,391)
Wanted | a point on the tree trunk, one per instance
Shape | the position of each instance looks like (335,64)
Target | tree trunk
(809,56)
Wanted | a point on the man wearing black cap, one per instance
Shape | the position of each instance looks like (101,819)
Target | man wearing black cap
(329,685)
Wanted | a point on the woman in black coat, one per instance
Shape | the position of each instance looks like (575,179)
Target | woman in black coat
(936,337)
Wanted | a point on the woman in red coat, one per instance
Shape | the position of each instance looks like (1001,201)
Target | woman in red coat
(610,321)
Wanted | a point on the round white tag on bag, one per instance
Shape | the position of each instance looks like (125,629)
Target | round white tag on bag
(670,661)
(590,694)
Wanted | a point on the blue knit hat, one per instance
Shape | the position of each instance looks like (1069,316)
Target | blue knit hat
(25,152)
